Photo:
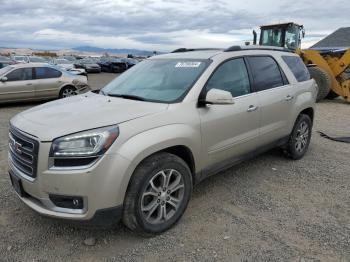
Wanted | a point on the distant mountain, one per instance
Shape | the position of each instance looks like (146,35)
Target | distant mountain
(93,49)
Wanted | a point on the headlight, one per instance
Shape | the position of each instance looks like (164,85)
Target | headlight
(84,144)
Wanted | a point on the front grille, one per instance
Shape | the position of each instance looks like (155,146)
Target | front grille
(23,152)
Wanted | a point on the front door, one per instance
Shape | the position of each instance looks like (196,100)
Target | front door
(230,131)
(19,85)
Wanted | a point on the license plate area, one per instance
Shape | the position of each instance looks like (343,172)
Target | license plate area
(17,184)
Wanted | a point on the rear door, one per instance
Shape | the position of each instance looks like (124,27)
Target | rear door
(48,82)
(19,85)
(275,95)
(230,131)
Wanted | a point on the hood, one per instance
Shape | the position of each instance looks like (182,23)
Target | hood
(66,66)
(78,113)
(92,65)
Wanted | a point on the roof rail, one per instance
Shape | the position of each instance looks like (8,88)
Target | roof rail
(243,48)
(182,50)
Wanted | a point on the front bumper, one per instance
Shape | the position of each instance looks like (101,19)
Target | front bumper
(102,186)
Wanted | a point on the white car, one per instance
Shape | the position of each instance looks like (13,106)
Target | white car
(20,59)
(68,66)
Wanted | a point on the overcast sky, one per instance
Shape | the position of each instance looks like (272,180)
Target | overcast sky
(158,24)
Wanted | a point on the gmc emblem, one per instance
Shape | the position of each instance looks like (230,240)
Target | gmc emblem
(15,145)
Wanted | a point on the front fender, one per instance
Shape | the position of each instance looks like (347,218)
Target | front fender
(144,144)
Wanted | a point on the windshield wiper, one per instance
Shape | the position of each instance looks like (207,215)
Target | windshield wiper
(127,96)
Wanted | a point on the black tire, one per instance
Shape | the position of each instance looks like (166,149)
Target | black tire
(323,81)
(291,149)
(133,217)
(66,90)
(332,95)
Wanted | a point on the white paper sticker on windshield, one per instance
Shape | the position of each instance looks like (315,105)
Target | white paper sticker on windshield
(188,64)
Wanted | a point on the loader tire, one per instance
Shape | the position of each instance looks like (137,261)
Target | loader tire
(331,95)
(323,81)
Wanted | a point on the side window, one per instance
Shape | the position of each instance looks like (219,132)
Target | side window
(266,72)
(20,74)
(231,76)
(298,68)
(46,72)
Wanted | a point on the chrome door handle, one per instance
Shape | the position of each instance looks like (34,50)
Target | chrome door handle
(252,108)
(29,84)
(289,97)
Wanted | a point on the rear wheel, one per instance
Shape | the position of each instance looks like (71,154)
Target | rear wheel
(158,194)
(323,81)
(68,91)
(300,137)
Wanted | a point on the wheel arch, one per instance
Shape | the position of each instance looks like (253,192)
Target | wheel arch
(65,86)
(185,143)
(309,112)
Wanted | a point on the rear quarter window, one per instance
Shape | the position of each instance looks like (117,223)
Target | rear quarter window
(297,67)
(47,72)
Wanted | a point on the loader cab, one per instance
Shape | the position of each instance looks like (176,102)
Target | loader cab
(287,35)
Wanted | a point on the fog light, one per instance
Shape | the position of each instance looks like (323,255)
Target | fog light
(71,202)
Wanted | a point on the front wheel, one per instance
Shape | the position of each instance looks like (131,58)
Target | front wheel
(300,138)
(157,195)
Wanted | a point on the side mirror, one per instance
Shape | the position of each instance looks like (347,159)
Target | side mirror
(219,97)
(3,79)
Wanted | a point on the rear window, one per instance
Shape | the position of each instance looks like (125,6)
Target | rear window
(298,68)
(46,72)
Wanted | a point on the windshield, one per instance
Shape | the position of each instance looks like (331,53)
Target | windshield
(20,58)
(62,61)
(271,37)
(157,80)
(86,61)
(5,70)
(69,58)
(37,59)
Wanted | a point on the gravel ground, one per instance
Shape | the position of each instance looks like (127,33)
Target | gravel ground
(267,209)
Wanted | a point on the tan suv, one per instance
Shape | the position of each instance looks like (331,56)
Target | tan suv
(38,81)
(135,150)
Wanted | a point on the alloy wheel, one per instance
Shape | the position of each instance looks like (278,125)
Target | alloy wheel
(302,137)
(162,196)
(68,92)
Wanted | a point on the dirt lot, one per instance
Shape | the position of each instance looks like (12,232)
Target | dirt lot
(267,209)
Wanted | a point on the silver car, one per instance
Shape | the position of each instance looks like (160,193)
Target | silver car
(38,81)
(135,150)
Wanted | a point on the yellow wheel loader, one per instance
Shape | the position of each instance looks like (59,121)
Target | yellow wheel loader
(330,68)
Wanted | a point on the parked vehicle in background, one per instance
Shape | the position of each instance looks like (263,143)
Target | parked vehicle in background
(5,61)
(70,58)
(36,59)
(38,81)
(130,62)
(135,150)
(88,64)
(112,65)
(20,58)
(68,66)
